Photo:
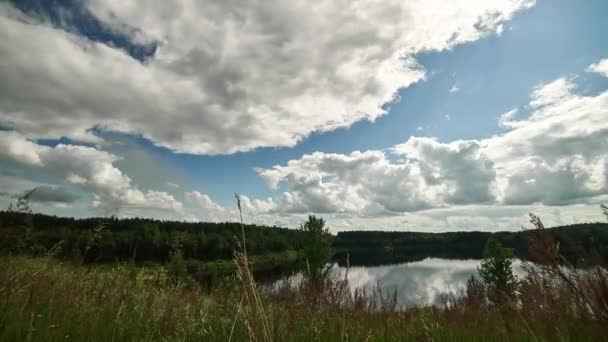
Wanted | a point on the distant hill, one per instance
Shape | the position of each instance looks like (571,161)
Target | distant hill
(381,247)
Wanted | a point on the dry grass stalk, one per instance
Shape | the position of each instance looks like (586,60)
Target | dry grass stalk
(257,322)
(553,276)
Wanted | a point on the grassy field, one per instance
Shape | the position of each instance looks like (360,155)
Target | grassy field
(42,299)
(46,299)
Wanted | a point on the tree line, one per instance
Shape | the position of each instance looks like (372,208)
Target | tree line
(381,247)
(142,240)
(138,239)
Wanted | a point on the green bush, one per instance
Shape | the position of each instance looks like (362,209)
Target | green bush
(317,245)
(496,271)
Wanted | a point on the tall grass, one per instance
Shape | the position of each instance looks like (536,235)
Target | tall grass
(42,299)
(45,300)
(583,293)
(251,306)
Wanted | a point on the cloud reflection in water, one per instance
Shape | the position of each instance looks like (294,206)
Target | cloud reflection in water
(417,283)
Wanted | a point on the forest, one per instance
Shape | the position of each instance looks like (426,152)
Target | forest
(138,239)
(153,241)
(576,241)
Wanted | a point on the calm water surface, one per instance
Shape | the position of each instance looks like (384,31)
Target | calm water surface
(416,283)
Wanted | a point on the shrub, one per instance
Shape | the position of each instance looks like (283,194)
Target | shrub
(496,271)
(317,246)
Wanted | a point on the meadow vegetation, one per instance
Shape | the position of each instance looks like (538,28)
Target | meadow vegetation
(44,298)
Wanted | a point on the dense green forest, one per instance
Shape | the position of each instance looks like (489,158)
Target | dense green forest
(147,240)
(577,243)
(137,239)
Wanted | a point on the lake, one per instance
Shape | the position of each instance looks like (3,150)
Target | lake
(415,283)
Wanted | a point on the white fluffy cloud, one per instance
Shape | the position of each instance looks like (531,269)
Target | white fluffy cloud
(231,75)
(600,67)
(507,120)
(430,175)
(200,207)
(205,209)
(236,75)
(85,167)
(556,156)
(203,201)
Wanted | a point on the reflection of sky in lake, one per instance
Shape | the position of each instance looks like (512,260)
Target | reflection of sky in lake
(419,282)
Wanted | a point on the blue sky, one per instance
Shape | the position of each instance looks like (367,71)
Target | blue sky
(470,78)
(495,75)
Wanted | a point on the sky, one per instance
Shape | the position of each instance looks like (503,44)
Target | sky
(396,115)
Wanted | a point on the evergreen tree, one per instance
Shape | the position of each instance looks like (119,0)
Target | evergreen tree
(317,245)
(496,271)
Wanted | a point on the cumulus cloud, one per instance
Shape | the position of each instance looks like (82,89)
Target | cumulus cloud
(460,171)
(507,121)
(86,167)
(227,76)
(556,156)
(457,218)
(600,67)
(430,175)
(18,149)
(261,211)
(203,201)
(234,75)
